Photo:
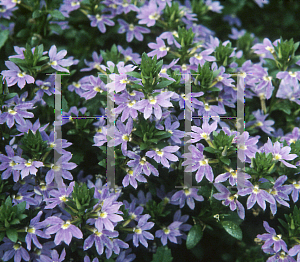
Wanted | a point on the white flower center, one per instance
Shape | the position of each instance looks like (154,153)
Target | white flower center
(137,231)
(63,198)
(74,3)
(152,100)
(103,214)
(98,89)
(53,63)
(12,112)
(199,56)
(77,85)
(167,231)
(130,104)
(131,27)
(29,163)
(292,74)
(21,74)
(127,58)
(164,48)
(267,78)
(277,157)
(270,48)
(98,17)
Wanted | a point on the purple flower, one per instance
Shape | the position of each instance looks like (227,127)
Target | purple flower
(150,13)
(294,251)
(126,102)
(201,58)
(176,134)
(279,154)
(264,125)
(10,3)
(107,215)
(16,113)
(125,256)
(33,231)
(271,238)
(235,34)
(132,31)
(29,126)
(183,227)
(68,6)
(126,7)
(141,165)
(129,55)
(96,64)
(197,161)
(202,133)
(229,200)
(93,87)
(141,199)
(232,20)
(160,48)
(156,102)
(161,156)
(261,3)
(14,250)
(8,162)
(170,232)
(140,233)
(63,168)
(280,193)
(60,195)
(87,259)
(120,80)
(133,211)
(214,6)
(54,257)
(64,230)
(58,144)
(132,177)
(170,38)
(101,239)
(246,146)
(266,49)
(15,75)
(27,166)
(100,21)
(22,195)
(122,135)
(256,195)
(57,61)
(74,111)
(289,89)
(20,54)
(188,195)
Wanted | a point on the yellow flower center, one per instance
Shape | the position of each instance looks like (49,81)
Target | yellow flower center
(12,112)
(155,16)
(97,233)
(132,216)
(276,238)
(167,231)
(256,190)
(199,56)
(131,27)
(12,163)
(204,135)
(187,192)
(267,78)
(77,85)
(184,67)
(164,70)
(207,107)
(44,87)
(259,123)
(98,17)
(277,157)
(170,131)
(19,197)
(203,162)
(98,89)
(292,74)
(220,78)
(174,33)
(270,48)
(17,246)
(63,198)
(53,63)
(124,81)
(31,230)
(74,3)
(21,74)
(66,225)
(158,152)
(56,168)
(127,58)
(29,163)
(152,100)
(164,48)
(130,104)
(103,214)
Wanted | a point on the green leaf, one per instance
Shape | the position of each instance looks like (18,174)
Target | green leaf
(57,14)
(225,160)
(2,235)
(37,13)
(3,37)
(233,229)
(163,84)
(10,95)
(209,149)
(12,234)
(163,254)
(194,236)
(56,28)
(21,207)
(134,74)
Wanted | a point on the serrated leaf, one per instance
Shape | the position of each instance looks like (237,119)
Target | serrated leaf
(12,234)
(233,229)
(194,236)
(163,254)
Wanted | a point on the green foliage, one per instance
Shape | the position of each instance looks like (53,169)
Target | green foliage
(172,16)
(113,55)
(233,229)
(11,216)
(33,145)
(262,165)
(3,37)
(222,54)
(194,236)
(163,254)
